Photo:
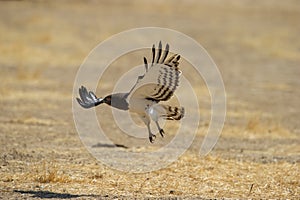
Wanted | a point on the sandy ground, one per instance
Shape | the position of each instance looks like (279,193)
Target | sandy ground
(256,47)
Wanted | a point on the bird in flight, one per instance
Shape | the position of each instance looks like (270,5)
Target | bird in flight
(157,84)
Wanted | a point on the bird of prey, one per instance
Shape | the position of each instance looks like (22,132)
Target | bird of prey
(158,83)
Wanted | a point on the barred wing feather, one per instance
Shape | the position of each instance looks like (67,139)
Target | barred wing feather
(161,78)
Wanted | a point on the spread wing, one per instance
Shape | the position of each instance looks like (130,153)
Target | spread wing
(161,78)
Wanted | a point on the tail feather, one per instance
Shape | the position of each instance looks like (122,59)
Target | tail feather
(173,113)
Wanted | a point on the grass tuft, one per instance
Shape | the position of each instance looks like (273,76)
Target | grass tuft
(50,174)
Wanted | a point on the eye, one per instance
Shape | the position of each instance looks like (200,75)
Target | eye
(108,99)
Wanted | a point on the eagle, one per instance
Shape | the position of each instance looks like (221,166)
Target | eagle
(158,83)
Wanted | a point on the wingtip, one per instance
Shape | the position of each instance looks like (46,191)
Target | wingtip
(159,45)
(82,104)
(79,101)
(153,54)
(167,46)
(146,64)
(81,89)
(182,112)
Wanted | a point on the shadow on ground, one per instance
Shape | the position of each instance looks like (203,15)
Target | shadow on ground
(109,145)
(49,195)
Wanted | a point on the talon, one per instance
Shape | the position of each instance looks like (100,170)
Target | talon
(162,132)
(152,138)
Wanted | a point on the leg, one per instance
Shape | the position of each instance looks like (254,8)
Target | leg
(146,120)
(151,136)
(161,131)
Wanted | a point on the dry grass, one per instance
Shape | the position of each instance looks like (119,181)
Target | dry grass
(258,127)
(190,176)
(50,174)
(256,47)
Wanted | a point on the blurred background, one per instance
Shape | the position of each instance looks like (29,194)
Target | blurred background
(255,44)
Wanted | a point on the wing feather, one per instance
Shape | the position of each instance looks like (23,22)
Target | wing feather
(153,54)
(159,52)
(161,79)
(166,52)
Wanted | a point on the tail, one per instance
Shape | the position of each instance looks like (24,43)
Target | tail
(173,113)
